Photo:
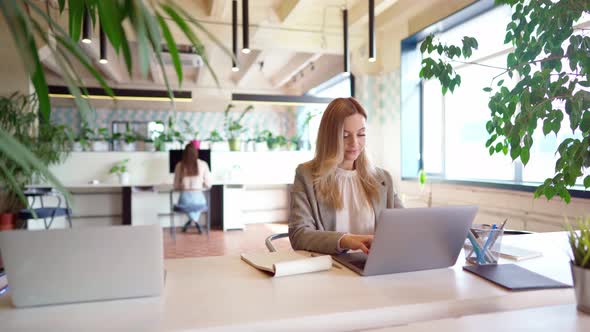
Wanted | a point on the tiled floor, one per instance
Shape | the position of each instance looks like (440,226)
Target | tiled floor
(220,243)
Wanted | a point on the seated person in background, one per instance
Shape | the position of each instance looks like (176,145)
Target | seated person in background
(337,196)
(191,176)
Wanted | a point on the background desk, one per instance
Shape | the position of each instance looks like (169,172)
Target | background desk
(224,293)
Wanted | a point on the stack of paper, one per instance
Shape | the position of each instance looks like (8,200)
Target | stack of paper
(286,263)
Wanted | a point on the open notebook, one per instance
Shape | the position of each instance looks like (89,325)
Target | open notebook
(286,263)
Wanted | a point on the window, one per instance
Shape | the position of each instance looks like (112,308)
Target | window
(451,129)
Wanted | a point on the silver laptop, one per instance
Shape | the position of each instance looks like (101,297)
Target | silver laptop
(83,264)
(413,239)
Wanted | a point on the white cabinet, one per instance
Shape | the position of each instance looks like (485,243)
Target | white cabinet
(233,198)
(144,207)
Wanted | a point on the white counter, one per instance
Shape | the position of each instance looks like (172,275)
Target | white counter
(263,175)
(252,168)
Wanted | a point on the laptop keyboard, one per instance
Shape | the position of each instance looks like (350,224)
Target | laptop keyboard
(359,263)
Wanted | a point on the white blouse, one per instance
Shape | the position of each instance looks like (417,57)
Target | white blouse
(195,182)
(357,215)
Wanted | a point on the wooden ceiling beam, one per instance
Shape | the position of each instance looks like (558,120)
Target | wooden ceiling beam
(294,66)
(285,9)
(217,8)
(247,64)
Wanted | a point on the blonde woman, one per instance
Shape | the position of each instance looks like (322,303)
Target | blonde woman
(337,196)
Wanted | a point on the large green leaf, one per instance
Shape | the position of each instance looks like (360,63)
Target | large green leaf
(188,32)
(110,22)
(171,47)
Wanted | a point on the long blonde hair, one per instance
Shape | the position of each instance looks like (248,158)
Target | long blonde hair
(329,153)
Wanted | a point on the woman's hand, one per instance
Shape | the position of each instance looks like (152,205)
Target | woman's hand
(356,242)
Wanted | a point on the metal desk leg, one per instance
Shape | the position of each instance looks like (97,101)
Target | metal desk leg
(172,226)
(208,213)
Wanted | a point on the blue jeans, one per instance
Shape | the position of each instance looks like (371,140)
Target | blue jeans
(193,202)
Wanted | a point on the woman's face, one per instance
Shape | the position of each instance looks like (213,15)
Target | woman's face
(354,137)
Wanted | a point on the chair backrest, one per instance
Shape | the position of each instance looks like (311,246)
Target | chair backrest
(273,237)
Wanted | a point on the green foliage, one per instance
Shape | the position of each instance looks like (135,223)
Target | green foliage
(215,136)
(169,134)
(580,242)
(233,127)
(273,142)
(25,141)
(101,134)
(29,22)
(188,132)
(546,74)
(120,167)
(422,177)
(84,136)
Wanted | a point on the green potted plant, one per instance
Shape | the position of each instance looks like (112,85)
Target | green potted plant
(281,142)
(293,143)
(273,142)
(215,140)
(121,170)
(101,140)
(83,139)
(129,140)
(260,141)
(233,127)
(580,263)
(51,144)
(189,133)
(170,138)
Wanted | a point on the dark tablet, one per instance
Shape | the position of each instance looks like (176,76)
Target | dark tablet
(514,277)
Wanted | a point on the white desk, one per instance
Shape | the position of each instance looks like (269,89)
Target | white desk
(224,293)
(563,318)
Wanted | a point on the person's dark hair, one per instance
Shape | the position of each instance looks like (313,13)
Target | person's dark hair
(190,166)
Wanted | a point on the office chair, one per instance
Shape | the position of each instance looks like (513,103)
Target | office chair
(186,209)
(273,237)
(47,213)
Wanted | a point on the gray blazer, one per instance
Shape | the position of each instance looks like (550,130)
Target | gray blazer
(312,223)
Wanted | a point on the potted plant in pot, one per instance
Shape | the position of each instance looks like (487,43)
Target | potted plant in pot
(274,142)
(293,143)
(189,134)
(101,140)
(233,127)
(49,143)
(215,141)
(580,264)
(120,169)
(170,138)
(260,141)
(129,140)
(83,139)
(281,142)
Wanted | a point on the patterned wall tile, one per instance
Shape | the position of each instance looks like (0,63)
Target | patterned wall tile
(380,95)
(282,123)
